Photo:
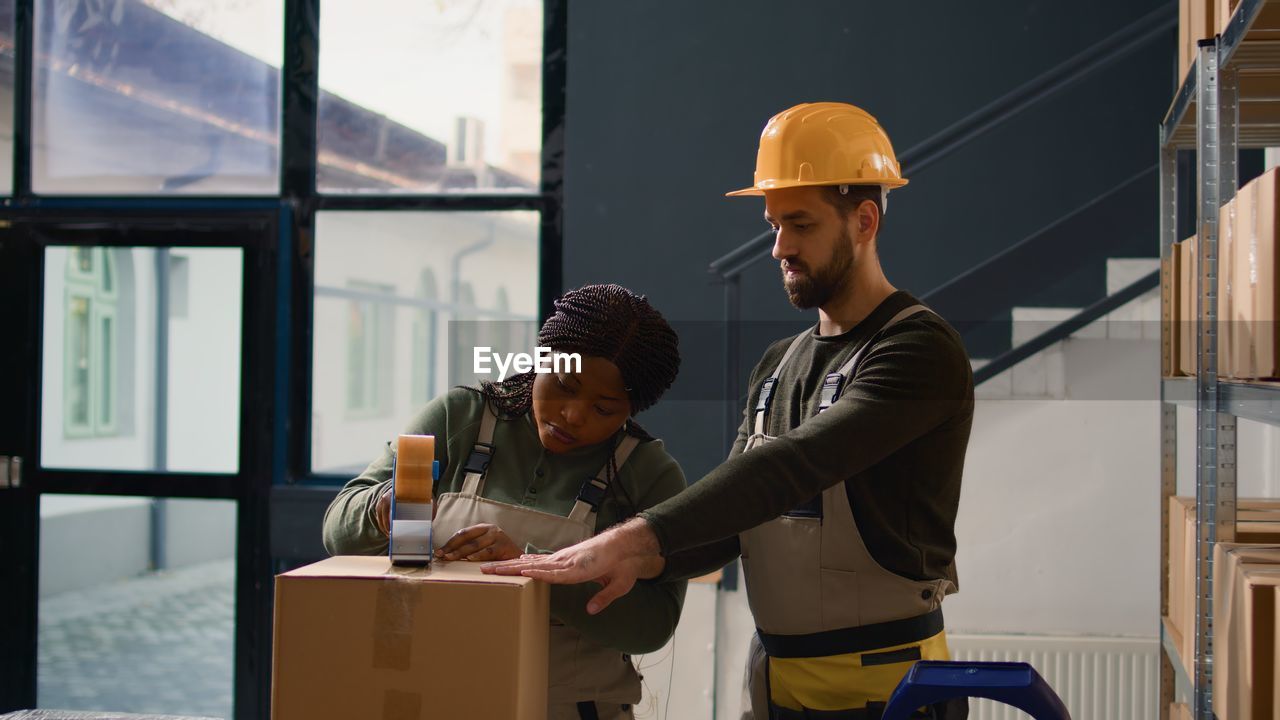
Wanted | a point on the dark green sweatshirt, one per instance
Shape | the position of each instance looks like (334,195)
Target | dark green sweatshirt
(896,438)
(522,472)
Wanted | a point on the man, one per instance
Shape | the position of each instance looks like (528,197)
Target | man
(841,491)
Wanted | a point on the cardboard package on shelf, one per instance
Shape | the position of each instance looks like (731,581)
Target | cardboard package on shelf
(1265,27)
(1238,288)
(1256,269)
(1228,242)
(356,637)
(1257,522)
(1197,20)
(1185,354)
(1246,578)
(1172,314)
(1237,322)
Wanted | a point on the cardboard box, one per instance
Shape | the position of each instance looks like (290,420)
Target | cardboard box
(1228,239)
(357,638)
(1261,271)
(1181,558)
(1245,581)
(1197,20)
(1169,312)
(1257,523)
(1187,365)
(1180,711)
(1236,221)
(1275,676)
(1265,27)
(1242,301)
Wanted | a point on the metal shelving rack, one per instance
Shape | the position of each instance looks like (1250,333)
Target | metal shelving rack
(1212,116)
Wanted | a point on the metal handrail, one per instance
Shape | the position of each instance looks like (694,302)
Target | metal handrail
(975,273)
(1064,329)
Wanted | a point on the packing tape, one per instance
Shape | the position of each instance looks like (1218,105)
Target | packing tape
(414,457)
(401,705)
(393,617)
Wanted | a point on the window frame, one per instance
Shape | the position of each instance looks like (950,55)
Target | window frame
(298,177)
(274,484)
(72,427)
(101,381)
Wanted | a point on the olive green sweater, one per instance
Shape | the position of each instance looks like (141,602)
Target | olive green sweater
(896,438)
(523,472)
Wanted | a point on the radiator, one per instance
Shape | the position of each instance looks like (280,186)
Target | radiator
(1098,678)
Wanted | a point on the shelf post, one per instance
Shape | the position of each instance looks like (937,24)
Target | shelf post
(1168,410)
(1207,168)
(1216,140)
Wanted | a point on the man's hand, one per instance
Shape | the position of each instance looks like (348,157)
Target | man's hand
(615,559)
(479,542)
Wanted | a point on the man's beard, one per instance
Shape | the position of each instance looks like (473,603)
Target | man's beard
(815,288)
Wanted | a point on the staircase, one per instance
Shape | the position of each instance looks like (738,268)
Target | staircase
(1109,358)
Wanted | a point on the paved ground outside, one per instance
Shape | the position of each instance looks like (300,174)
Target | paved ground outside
(161,643)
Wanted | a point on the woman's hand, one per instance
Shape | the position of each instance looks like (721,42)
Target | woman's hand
(382,511)
(484,542)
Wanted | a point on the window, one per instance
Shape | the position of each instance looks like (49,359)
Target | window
(368,347)
(137,599)
(426,328)
(7,47)
(89,377)
(457,105)
(141,358)
(183,95)
(464,336)
(392,289)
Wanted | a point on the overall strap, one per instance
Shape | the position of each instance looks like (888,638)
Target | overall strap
(833,384)
(594,489)
(481,454)
(766,388)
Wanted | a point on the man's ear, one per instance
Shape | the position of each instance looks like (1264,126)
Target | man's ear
(866,221)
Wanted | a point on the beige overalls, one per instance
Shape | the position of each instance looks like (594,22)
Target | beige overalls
(836,631)
(587,680)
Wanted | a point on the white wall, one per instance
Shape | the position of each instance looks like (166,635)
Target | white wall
(204,363)
(1058,525)
(92,540)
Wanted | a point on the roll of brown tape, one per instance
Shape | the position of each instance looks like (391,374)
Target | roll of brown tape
(414,457)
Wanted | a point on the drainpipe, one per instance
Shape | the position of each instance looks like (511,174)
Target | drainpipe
(160,459)
(455,281)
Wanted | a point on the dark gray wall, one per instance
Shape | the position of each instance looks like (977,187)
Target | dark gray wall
(666,101)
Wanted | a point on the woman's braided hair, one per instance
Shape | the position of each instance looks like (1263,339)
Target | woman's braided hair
(610,322)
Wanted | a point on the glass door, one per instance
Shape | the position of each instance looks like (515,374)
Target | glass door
(142,390)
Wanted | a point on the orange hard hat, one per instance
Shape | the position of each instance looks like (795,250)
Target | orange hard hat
(824,143)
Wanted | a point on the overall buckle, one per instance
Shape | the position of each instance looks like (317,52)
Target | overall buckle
(766,394)
(831,387)
(592,494)
(478,461)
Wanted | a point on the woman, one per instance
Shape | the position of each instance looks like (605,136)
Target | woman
(565,461)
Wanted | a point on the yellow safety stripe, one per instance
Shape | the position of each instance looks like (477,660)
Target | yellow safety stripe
(845,682)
